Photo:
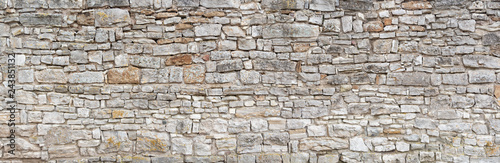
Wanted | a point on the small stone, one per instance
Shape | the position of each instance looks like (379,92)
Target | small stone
(129,75)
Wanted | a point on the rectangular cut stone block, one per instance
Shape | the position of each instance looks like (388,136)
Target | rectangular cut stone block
(208,30)
(86,77)
(170,49)
(455,79)
(65,3)
(410,79)
(323,144)
(30,4)
(110,3)
(356,5)
(290,30)
(29,19)
(482,76)
(283,4)
(322,5)
(111,17)
(220,3)
(481,61)
(274,65)
(130,75)
(194,73)
(51,76)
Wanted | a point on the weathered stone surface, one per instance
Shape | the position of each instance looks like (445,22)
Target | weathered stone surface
(382,46)
(170,49)
(51,76)
(229,65)
(179,60)
(26,76)
(86,77)
(322,5)
(481,76)
(110,3)
(111,17)
(194,73)
(63,151)
(290,30)
(208,30)
(357,5)
(373,26)
(274,65)
(481,61)
(449,4)
(220,3)
(148,62)
(28,97)
(467,25)
(29,19)
(283,4)
(416,5)
(65,3)
(249,143)
(323,144)
(129,75)
(332,25)
(233,31)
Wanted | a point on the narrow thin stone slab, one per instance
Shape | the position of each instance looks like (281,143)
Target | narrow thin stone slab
(290,30)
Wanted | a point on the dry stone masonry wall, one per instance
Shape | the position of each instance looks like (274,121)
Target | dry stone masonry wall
(249,81)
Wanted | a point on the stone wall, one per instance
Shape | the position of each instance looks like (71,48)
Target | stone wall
(252,80)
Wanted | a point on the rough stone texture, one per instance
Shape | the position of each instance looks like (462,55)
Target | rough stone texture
(316,81)
(130,75)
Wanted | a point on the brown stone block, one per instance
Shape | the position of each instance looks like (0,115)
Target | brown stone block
(130,75)
(178,60)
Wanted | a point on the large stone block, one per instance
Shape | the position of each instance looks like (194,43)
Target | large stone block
(208,30)
(322,5)
(51,76)
(229,65)
(220,3)
(170,49)
(65,3)
(111,17)
(249,143)
(130,75)
(30,4)
(110,3)
(481,76)
(481,61)
(194,74)
(274,65)
(86,77)
(29,19)
(323,144)
(283,4)
(187,3)
(382,46)
(449,4)
(356,5)
(290,30)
